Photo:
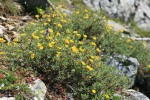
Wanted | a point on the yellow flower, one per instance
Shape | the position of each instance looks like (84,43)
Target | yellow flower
(42,31)
(93,91)
(104,17)
(92,57)
(49,38)
(66,46)
(98,50)
(92,43)
(67,31)
(75,32)
(1,53)
(58,54)
(41,47)
(59,47)
(128,40)
(107,96)
(86,16)
(131,47)
(66,41)
(48,20)
(89,68)
(145,45)
(16,40)
(91,60)
(44,16)
(83,63)
(121,30)
(97,57)
(148,66)
(85,36)
(64,14)
(57,34)
(71,41)
(51,44)
(22,34)
(59,25)
(54,23)
(86,10)
(74,49)
(37,16)
(50,30)
(15,44)
(32,23)
(78,35)
(80,42)
(53,15)
(40,11)
(77,12)
(94,38)
(108,27)
(35,37)
(2,40)
(45,24)
(32,55)
(81,49)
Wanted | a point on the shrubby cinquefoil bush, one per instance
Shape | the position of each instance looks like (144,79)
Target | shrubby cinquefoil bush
(59,48)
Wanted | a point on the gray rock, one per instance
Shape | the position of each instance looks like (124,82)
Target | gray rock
(116,26)
(10,27)
(7,98)
(7,38)
(145,26)
(26,18)
(2,18)
(1,30)
(138,10)
(70,96)
(135,95)
(127,66)
(38,89)
(65,11)
(132,95)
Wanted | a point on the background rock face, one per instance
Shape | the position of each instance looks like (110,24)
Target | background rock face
(138,10)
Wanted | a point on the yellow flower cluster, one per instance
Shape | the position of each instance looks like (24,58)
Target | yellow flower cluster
(40,46)
(51,44)
(32,55)
(2,40)
(1,53)
(148,66)
(108,27)
(34,36)
(86,16)
(93,91)
(16,40)
(74,49)
(107,96)
(89,68)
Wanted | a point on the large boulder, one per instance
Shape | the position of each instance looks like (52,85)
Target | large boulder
(137,10)
(38,89)
(135,95)
(132,95)
(125,66)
